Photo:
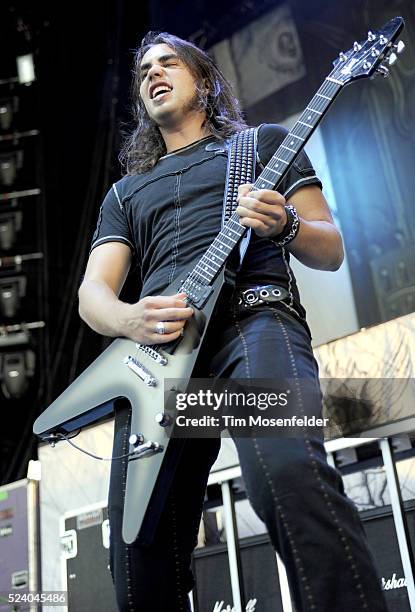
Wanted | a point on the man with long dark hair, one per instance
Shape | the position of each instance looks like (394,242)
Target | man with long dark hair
(160,216)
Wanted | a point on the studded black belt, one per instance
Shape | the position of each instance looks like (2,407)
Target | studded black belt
(255,296)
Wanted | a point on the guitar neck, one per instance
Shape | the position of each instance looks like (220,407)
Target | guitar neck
(210,264)
(281,161)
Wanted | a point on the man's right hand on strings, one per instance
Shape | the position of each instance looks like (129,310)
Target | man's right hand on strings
(141,319)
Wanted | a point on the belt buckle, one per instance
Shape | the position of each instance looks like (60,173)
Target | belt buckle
(256,296)
(250,297)
(247,298)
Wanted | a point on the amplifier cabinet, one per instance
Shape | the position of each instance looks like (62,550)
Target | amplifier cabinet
(84,544)
(85,565)
(260,576)
(380,530)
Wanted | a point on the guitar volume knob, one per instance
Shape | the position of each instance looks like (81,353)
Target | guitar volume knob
(136,440)
(162,419)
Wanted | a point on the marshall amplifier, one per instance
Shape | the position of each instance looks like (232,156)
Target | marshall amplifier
(213,591)
(260,576)
(85,560)
(380,530)
(85,543)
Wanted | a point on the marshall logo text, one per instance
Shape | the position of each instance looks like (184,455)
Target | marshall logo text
(393,583)
(250,606)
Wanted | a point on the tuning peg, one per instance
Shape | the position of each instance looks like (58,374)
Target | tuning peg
(356,46)
(399,47)
(383,40)
(392,58)
(370,36)
(342,56)
(382,70)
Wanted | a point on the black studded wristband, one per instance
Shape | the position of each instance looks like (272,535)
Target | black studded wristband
(291,228)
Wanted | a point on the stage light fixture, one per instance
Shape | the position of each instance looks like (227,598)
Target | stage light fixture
(10,224)
(7,170)
(25,69)
(16,371)
(10,163)
(6,114)
(12,290)
(9,340)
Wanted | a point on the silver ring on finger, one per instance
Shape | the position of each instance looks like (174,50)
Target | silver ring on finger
(160,328)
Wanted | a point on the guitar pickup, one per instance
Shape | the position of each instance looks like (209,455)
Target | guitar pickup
(197,293)
(199,296)
(152,353)
(141,371)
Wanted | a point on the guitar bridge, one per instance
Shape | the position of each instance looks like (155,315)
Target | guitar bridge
(141,371)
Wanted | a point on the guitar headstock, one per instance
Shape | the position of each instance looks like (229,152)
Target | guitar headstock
(370,57)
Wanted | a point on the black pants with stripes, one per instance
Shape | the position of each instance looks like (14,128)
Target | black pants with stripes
(312,524)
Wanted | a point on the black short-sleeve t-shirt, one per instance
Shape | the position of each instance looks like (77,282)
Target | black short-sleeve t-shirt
(170,215)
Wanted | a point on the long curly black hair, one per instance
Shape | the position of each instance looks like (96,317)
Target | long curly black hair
(143,145)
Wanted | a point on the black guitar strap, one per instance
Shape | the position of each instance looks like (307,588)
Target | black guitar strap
(241,169)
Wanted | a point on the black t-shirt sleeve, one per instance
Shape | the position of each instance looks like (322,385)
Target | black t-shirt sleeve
(112,225)
(301,173)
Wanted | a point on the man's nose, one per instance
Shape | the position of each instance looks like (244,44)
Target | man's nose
(155,71)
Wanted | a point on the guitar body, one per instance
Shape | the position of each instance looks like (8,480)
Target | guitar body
(109,378)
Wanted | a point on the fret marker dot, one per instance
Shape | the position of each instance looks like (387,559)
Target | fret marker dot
(309,117)
(292,142)
(263,185)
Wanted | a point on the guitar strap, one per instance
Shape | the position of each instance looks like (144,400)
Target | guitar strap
(242,148)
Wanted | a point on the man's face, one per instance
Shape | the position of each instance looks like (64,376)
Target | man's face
(168,88)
